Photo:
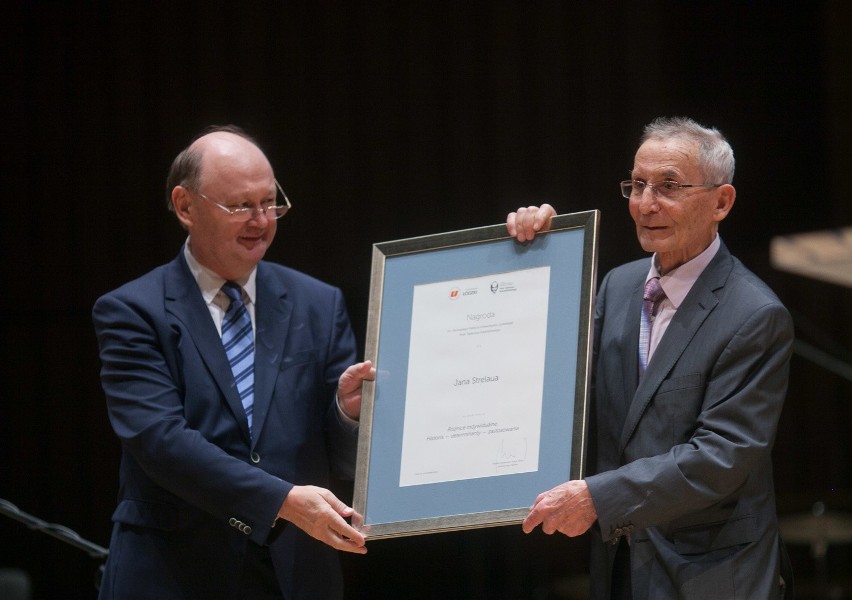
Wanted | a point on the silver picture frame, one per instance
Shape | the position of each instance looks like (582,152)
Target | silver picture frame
(569,249)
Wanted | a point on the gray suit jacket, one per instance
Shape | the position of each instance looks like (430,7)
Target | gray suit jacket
(681,461)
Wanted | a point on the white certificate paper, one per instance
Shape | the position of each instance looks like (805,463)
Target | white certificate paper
(475,377)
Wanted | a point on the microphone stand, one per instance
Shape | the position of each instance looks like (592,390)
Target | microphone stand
(60,532)
(822,359)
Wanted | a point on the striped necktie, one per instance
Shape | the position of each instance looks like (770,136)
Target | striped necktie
(238,340)
(652,295)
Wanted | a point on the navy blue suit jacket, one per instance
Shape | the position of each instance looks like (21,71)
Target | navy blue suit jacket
(195,487)
(681,461)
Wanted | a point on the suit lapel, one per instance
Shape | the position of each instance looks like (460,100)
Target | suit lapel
(185,302)
(272,314)
(630,364)
(696,307)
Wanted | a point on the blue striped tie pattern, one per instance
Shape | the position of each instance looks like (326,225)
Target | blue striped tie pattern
(238,339)
(652,295)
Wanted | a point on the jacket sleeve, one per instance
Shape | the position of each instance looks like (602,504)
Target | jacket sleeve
(145,407)
(342,437)
(738,399)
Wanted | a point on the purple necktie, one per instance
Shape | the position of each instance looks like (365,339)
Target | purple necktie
(652,295)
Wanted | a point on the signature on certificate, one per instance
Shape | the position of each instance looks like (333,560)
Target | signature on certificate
(512,450)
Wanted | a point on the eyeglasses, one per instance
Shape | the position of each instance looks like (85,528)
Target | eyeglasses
(272,209)
(667,189)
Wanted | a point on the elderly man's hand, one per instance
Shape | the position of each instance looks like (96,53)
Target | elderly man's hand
(526,222)
(567,508)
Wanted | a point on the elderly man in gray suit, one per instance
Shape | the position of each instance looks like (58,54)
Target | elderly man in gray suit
(691,361)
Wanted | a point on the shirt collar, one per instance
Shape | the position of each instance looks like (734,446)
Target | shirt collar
(210,283)
(677,282)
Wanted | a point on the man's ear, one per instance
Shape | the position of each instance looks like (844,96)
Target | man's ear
(182,205)
(725,197)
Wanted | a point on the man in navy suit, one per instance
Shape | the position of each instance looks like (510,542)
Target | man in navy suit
(684,410)
(223,485)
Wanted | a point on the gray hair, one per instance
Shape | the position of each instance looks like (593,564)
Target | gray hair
(715,155)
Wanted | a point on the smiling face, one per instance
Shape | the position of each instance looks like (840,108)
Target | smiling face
(235,173)
(676,229)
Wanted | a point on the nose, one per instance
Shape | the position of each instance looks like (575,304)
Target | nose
(257,214)
(648,201)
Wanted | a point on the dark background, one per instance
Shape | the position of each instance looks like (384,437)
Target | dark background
(386,120)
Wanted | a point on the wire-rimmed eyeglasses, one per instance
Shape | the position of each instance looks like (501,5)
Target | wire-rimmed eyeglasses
(667,189)
(271,209)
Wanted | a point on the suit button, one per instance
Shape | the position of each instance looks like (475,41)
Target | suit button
(255,457)
(232,522)
(247,530)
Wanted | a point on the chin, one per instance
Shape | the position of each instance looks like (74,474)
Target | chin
(650,245)
(655,243)
(255,249)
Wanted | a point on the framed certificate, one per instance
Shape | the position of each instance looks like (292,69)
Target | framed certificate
(482,349)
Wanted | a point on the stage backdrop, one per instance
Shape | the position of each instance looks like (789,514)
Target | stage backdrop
(387,120)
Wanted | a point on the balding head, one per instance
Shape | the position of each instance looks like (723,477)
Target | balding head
(230,161)
(221,171)
(186,168)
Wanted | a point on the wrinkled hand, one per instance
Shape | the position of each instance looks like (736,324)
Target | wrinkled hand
(567,508)
(319,513)
(526,222)
(349,387)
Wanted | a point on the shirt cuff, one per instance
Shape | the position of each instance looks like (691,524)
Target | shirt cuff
(344,418)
